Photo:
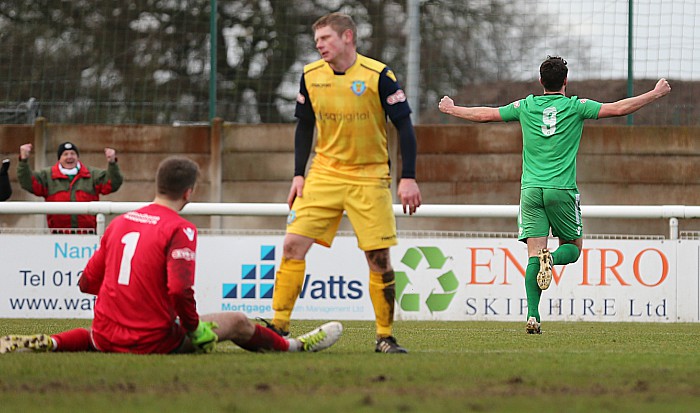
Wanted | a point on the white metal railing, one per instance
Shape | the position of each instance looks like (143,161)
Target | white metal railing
(101,208)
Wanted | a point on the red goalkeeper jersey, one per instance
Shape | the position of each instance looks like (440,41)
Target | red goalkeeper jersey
(143,275)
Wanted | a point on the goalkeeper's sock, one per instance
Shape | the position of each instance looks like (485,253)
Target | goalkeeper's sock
(532,289)
(382,291)
(565,254)
(288,282)
(77,339)
(265,339)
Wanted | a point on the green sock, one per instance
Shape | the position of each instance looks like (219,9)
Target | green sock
(532,289)
(565,254)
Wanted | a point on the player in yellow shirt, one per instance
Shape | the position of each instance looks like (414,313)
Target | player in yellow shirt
(347,97)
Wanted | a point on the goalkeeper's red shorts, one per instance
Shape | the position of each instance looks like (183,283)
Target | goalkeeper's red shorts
(114,338)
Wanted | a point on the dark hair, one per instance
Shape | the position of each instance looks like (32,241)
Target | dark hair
(553,71)
(339,22)
(175,176)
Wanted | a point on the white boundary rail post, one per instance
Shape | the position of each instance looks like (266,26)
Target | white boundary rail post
(673,228)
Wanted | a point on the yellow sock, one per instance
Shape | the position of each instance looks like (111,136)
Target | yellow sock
(288,282)
(382,291)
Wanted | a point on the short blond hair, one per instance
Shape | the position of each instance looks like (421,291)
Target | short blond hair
(339,22)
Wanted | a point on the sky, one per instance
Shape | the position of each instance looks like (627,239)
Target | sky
(666,34)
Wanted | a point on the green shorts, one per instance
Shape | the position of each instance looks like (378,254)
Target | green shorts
(543,208)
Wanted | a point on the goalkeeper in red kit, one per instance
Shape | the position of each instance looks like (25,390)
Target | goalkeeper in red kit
(143,276)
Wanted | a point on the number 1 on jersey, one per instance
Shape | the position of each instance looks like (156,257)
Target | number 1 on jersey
(129,240)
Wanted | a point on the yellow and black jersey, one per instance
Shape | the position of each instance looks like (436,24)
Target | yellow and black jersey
(350,110)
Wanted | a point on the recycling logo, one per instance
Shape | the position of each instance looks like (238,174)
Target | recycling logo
(425,261)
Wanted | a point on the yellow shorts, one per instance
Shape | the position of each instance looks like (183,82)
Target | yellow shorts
(318,212)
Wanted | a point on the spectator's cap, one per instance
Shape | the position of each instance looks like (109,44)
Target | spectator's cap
(66,146)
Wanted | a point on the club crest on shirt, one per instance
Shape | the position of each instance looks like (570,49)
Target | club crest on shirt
(358,87)
(189,232)
(583,101)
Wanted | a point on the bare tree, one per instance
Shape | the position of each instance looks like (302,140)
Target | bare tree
(148,61)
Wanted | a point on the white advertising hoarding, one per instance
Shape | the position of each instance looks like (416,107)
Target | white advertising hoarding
(40,275)
(436,279)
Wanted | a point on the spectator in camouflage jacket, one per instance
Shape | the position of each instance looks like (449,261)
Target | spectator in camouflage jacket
(69,180)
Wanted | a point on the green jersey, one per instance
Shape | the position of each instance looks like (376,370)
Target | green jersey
(552,127)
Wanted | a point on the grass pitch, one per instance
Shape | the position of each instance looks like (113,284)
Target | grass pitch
(451,367)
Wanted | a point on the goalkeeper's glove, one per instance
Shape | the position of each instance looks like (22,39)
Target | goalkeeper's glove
(204,338)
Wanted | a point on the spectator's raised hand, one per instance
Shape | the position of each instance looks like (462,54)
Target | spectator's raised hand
(111,155)
(25,150)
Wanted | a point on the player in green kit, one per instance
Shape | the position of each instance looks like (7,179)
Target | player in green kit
(549,199)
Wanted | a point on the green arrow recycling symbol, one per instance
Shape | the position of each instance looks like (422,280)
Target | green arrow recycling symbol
(436,301)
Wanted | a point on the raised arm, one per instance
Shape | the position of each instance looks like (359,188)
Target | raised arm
(626,106)
(474,114)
